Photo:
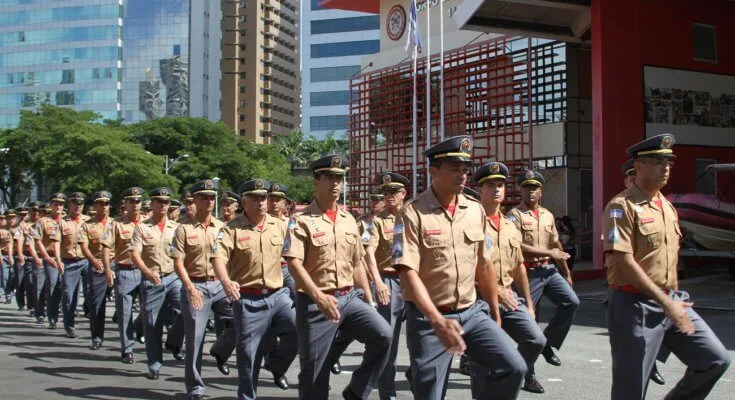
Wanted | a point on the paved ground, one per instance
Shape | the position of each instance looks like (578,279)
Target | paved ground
(36,363)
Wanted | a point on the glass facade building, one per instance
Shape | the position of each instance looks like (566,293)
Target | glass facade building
(155,59)
(65,53)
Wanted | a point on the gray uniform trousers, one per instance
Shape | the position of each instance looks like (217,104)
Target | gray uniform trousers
(97,302)
(272,346)
(24,293)
(525,331)
(316,334)
(547,280)
(258,318)
(127,284)
(195,326)
(486,344)
(53,294)
(152,299)
(638,327)
(40,288)
(6,276)
(393,314)
(70,281)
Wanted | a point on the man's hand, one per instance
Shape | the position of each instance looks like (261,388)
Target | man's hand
(153,277)
(569,279)
(51,262)
(110,278)
(507,298)
(328,306)
(450,334)
(676,310)
(559,255)
(60,266)
(195,298)
(382,292)
(38,262)
(21,259)
(232,290)
(98,266)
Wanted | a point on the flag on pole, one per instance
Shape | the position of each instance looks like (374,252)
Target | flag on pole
(414,34)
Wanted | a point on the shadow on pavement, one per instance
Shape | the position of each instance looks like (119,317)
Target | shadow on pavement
(88,357)
(104,392)
(85,372)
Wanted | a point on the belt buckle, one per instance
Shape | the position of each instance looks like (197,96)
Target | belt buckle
(264,291)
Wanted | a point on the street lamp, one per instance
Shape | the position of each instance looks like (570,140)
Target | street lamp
(175,161)
(216,195)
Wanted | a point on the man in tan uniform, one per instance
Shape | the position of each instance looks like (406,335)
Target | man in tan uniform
(24,281)
(540,247)
(128,276)
(95,233)
(325,257)
(441,246)
(75,264)
(248,262)
(152,253)
(7,244)
(194,245)
(514,294)
(189,207)
(645,308)
(174,210)
(38,275)
(230,203)
(46,237)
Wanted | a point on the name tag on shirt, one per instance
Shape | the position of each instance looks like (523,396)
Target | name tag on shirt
(388,231)
(318,234)
(431,232)
(243,239)
(192,237)
(646,221)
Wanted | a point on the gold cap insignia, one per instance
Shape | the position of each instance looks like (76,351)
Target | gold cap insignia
(386,178)
(164,192)
(276,188)
(208,184)
(336,162)
(666,143)
(465,145)
(529,174)
(136,191)
(494,167)
(259,184)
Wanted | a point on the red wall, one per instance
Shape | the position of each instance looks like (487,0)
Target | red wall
(626,35)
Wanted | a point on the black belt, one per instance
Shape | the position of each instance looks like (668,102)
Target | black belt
(125,266)
(71,260)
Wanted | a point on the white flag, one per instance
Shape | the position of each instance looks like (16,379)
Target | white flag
(414,34)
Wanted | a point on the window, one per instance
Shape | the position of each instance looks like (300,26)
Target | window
(242,47)
(243,4)
(345,48)
(243,89)
(242,132)
(345,24)
(328,123)
(177,49)
(330,74)
(704,43)
(243,18)
(21,36)
(243,75)
(331,98)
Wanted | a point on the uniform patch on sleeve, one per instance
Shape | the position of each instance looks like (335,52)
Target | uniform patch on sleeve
(488,241)
(614,235)
(291,224)
(616,214)
(396,249)
(511,218)
(287,243)
(365,238)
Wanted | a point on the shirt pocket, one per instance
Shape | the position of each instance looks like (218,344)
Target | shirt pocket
(437,247)
(650,235)
(319,245)
(473,238)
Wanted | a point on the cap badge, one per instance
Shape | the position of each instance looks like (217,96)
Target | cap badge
(276,188)
(259,184)
(164,192)
(135,191)
(529,174)
(208,184)
(336,162)
(494,167)
(386,178)
(666,143)
(465,145)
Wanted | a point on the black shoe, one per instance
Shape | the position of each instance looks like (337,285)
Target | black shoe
(152,375)
(221,364)
(464,366)
(52,325)
(32,313)
(336,368)
(348,395)
(530,384)
(71,334)
(280,381)
(21,308)
(407,374)
(39,320)
(176,352)
(656,377)
(210,326)
(95,346)
(140,338)
(8,301)
(114,318)
(127,358)
(550,357)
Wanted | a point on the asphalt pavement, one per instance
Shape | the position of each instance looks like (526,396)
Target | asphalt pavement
(37,363)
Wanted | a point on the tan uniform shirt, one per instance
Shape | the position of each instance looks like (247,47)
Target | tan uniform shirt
(156,247)
(47,231)
(97,235)
(17,235)
(253,256)
(537,232)
(380,237)
(507,240)
(442,249)
(6,240)
(70,236)
(195,243)
(632,224)
(330,251)
(122,235)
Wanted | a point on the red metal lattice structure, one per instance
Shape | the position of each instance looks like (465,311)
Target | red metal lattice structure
(486,91)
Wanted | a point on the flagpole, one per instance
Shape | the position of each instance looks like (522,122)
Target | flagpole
(415,121)
(428,86)
(441,68)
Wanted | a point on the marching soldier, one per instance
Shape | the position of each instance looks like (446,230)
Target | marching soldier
(96,235)
(377,204)
(248,262)
(38,273)
(46,236)
(516,306)
(629,173)
(386,278)
(24,283)
(6,243)
(145,210)
(189,207)
(230,204)
(277,208)
(128,276)
(174,210)
(201,293)
(441,246)
(541,246)
(152,253)
(325,257)
(73,260)
(645,308)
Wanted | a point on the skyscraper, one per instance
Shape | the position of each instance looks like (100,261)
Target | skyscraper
(260,67)
(333,44)
(65,53)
